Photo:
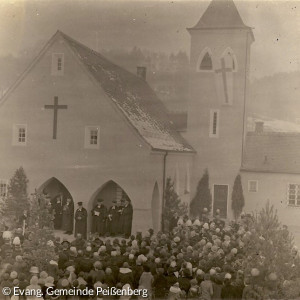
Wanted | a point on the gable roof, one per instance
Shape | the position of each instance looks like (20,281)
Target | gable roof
(133,96)
(221,14)
(274,152)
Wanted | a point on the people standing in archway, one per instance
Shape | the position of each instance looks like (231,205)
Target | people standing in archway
(126,217)
(57,205)
(119,225)
(99,215)
(113,219)
(67,217)
(81,221)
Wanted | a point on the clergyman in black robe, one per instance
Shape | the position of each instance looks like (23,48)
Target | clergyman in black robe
(81,220)
(67,217)
(99,215)
(57,205)
(126,218)
(113,219)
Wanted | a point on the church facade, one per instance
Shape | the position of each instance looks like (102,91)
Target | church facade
(81,125)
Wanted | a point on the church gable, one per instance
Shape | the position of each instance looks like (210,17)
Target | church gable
(49,112)
(131,95)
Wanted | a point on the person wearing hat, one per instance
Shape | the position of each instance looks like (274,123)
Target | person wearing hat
(228,291)
(5,283)
(125,274)
(146,280)
(175,292)
(126,217)
(57,205)
(109,278)
(6,248)
(160,283)
(99,215)
(63,254)
(96,272)
(206,288)
(67,217)
(194,291)
(81,221)
(113,219)
(205,215)
(23,282)
(33,289)
(23,221)
(34,271)
(184,280)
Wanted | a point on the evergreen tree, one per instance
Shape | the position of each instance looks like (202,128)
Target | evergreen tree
(17,197)
(203,198)
(40,213)
(237,197)
(269,248)
(172,206)
(41,232)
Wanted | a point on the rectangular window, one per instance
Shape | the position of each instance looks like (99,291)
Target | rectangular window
(92,136)
(59,63)
(214,123)
(215,120)
(3,188)
(252,186)
(294,194)
(57,66)
(19,134)
(22,135)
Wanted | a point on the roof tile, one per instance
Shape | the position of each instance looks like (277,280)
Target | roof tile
(274,152)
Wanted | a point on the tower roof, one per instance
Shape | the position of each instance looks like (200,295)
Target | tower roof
(221,14)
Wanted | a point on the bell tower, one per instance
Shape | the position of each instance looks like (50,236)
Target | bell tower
(219,67)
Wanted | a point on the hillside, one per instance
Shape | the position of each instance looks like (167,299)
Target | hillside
(276,96)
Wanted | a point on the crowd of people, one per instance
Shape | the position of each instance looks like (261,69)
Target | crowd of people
(197,259)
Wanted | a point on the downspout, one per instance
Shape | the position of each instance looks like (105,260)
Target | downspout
(164,188)
(245,96)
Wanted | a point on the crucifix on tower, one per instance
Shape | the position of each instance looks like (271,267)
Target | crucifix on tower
(223,72)
(55,108)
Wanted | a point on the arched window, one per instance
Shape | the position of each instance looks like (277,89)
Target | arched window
(205,62)
(230,59)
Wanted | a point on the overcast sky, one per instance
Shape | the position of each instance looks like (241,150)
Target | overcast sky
(156,25)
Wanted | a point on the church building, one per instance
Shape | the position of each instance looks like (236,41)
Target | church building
(81,125)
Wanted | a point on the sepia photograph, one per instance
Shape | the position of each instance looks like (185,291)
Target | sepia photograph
(149,149)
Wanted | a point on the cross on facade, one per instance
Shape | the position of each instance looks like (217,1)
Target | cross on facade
(55,108)
(223,71)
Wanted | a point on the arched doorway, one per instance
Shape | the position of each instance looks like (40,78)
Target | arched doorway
(155,206)
(58,195)
(112,194)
